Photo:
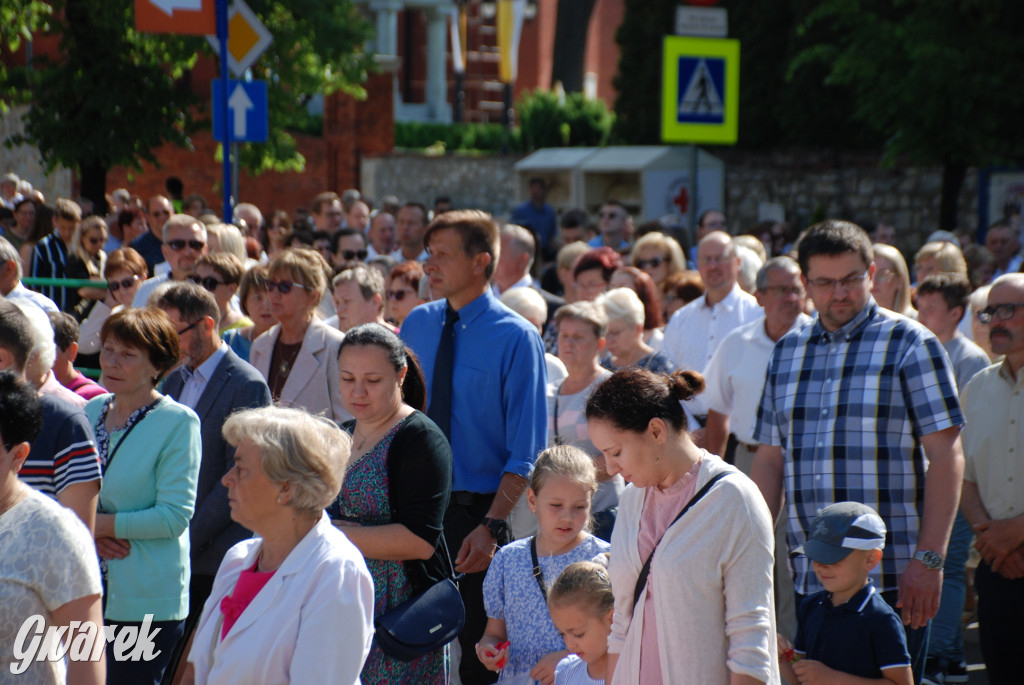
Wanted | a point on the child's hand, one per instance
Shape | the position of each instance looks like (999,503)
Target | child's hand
(544,670)
(813,673)
(492,654)
(785,649)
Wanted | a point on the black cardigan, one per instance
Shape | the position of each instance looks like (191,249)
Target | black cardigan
(419,483)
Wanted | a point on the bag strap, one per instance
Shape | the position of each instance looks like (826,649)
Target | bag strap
(145,412)
(537,572)
(641,580)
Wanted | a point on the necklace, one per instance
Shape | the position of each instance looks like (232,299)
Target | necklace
(286,355)
(387,423)
(13,499)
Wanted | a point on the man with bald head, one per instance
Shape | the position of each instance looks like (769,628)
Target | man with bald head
(992,498)
(184,243)
(251,215)
(158,211)
(381,235)
(694,332)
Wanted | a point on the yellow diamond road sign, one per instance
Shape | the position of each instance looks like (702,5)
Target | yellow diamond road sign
(700,90)
(247,38)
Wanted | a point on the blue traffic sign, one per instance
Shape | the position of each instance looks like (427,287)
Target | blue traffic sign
(248,118)
(701,90)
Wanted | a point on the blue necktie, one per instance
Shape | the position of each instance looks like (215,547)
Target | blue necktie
(440,410)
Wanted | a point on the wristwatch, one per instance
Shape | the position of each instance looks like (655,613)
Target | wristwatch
(497,527)
(931,560)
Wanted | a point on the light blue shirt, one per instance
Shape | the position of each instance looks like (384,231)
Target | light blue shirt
(195,381)
(499,407)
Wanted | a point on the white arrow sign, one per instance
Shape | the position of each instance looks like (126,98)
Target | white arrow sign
(168,6)
(240,104)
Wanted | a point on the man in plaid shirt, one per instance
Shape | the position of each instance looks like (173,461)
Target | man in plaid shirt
(861,404)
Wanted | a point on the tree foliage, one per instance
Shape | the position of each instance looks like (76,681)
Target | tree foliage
(940,81)
(644,25)
(114,95)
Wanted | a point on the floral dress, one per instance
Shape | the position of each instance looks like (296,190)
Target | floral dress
(364,500)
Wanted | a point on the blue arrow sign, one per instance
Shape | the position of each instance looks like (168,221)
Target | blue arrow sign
(248,119)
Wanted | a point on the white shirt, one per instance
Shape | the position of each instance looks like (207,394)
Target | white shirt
(196,381)
(735,375)
(147,288)
(20,292)
(695,332)
(524,282)
(398,257)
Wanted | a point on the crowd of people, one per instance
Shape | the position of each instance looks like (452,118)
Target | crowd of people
(759,457)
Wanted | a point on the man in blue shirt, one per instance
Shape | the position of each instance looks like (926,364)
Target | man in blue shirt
(486,378)
(615,227)
(538,215)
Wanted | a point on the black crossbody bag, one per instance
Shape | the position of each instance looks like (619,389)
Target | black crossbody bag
(641,580)
(424,622)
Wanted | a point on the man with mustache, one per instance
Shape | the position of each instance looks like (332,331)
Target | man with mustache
(993,499)
(861,405)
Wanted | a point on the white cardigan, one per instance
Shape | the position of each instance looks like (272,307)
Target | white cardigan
(311,623)
(712,580)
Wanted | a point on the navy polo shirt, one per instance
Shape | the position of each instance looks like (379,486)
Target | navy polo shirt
(862,636)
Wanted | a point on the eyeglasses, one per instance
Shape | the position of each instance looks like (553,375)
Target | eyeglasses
(398,295)
(284,287)
(830,283)
(783,290)
(208,282)
(114,286)
(179,245)
(610,215)
(652,263)
(999,311)
(885,275)
(349,255)
(94,241)
(189,327)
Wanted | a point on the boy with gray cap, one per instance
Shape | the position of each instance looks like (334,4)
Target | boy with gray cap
(846,633)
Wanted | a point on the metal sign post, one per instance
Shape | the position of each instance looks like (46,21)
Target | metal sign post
(222,39)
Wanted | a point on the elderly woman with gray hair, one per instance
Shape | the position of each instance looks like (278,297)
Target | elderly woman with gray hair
(625,338)
(295,603)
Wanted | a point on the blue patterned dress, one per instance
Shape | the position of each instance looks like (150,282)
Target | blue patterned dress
(364,499)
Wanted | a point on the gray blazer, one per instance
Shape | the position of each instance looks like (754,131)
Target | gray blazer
(312,383)
(234,385)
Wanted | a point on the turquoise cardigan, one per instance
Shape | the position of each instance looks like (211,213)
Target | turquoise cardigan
(150,487)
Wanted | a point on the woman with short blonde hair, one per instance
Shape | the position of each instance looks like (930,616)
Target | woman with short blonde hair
(313,616)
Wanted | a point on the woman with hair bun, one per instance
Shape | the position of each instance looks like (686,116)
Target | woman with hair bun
(705,613)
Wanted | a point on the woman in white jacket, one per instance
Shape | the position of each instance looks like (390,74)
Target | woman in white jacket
(704,614)
(295,604)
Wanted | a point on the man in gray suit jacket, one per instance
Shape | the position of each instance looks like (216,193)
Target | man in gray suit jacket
(214,382)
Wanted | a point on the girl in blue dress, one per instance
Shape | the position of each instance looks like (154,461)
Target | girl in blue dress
(520,640)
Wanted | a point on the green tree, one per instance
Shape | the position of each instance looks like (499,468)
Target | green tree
(114,95)
(638,81)
(939,80)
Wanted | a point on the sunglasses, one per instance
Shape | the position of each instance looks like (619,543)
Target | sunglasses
(349,255)
(208,282)
(179,245)
(283,287)
(652,263)
(94,241)
(398,295)
(188,328)
(114,286)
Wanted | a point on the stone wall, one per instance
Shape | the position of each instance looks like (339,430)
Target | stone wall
(807,183)
(814,183)
(487,183)
(27,162)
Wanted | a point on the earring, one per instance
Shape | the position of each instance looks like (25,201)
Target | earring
(280,500)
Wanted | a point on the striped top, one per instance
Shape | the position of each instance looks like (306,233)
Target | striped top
(49,259)
(64,453)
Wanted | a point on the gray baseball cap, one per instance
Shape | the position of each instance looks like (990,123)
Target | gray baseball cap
(841,528)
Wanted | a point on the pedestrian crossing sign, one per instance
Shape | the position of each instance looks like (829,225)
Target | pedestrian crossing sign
(700,90)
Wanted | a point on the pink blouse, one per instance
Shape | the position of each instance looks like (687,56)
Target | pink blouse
(660,507)
(248,586)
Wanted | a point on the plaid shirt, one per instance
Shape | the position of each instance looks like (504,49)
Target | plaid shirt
(848,409)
